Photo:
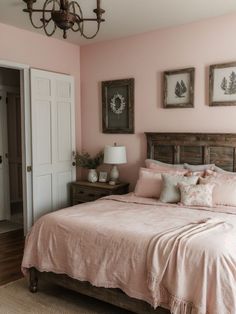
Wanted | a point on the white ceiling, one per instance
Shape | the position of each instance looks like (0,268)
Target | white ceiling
(126,17)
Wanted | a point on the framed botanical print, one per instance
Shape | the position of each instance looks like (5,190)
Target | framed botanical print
(118,106)
(222,81)
(179,88)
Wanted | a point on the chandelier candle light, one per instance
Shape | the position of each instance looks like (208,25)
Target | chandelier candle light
(65,14)
(114,155)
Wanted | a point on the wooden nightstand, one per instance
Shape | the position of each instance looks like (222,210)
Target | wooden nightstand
(83,191)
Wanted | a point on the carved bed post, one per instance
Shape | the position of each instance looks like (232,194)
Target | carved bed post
(33,284)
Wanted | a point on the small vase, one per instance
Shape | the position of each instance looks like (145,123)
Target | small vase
(92,175)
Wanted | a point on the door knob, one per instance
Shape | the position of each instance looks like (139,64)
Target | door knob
(0,159)
(73,164)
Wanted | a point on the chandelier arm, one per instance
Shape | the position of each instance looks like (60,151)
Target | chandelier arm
(36,11)
(32,22)
(72,4)
(45,24)
(79,21)
(95,34)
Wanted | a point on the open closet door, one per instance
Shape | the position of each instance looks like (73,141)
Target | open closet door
(53,140)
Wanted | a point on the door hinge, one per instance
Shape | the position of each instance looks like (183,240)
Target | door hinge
(29,168)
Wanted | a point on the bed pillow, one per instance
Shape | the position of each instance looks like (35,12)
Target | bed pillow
(199,167)
(170,192)
(220,175)
(168,169)
(149,183)
(197,195)
(151,163)
(224,192)
(220,170)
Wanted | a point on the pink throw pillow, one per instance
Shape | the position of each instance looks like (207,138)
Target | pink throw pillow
(224,192)
(149,183)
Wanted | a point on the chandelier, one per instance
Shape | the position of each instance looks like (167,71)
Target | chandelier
(64,14)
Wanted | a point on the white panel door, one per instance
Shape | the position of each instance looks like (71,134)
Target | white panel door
(53,140)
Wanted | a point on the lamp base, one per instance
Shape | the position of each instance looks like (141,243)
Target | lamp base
(114,175)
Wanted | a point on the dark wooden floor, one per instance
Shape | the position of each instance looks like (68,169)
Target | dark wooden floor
(11,253)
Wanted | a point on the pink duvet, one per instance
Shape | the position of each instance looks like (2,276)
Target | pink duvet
(183,259)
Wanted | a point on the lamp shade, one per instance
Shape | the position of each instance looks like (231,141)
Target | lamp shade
(115,155)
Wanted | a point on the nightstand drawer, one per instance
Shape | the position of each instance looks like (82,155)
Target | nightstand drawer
(88,195)
(82,191)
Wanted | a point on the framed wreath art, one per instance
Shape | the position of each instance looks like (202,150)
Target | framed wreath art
(118,106)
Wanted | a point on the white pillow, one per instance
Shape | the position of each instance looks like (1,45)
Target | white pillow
(170,192)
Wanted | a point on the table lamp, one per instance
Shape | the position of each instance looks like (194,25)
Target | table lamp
(114,155)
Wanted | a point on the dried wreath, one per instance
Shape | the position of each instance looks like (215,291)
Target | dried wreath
(117,109)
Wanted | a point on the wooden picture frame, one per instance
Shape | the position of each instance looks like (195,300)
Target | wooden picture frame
(118,106)
(178,89)
(222,84)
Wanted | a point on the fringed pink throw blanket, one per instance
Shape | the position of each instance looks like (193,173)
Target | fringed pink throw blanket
(183,259)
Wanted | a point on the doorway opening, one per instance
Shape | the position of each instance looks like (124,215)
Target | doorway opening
(11,184)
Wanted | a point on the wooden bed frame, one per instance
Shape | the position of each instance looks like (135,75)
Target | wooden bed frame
(174,148)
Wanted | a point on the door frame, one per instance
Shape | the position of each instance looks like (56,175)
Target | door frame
(25,137)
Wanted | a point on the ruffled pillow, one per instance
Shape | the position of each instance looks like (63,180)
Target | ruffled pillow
(197,195)
(170,192)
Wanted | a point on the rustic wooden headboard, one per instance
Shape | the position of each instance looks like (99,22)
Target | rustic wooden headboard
(193,148)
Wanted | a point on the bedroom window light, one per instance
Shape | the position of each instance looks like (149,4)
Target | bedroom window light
(114,155)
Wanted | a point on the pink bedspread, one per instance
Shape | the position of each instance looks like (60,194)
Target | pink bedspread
(181,258)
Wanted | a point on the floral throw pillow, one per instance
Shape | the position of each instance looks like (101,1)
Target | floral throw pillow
(197,195)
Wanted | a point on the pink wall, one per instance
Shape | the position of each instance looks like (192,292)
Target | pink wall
(45,53)
(144,57)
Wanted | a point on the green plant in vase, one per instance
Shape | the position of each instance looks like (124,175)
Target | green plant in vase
(84,160)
